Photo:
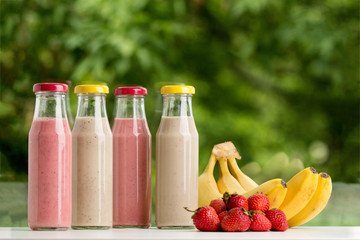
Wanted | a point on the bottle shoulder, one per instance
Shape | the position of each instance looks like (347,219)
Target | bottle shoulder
(46,125)
(177,125)
(91,125)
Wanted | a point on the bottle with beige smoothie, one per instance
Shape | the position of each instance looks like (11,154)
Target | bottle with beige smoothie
(177,153)
(92,160)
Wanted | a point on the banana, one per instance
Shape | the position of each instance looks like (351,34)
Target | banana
(274,189)
(317,202)
(300,189)
(208,190)
(226,182)
(246,182)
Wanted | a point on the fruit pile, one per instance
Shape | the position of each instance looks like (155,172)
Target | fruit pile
(235,213)
(300,199)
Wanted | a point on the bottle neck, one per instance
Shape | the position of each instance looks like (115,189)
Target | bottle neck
(91,105)
(177,105)
(50,105)
(130,106)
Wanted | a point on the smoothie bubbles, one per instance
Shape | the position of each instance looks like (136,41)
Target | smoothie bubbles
(177,152)
(49,196)
(92,160)
(132,160)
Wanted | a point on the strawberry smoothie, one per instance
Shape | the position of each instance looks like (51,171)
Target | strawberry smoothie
(49,198)
(132,173)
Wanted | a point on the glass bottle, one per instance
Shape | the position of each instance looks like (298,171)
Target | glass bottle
(92,160)
(49,185)
(132,160)
(177,150)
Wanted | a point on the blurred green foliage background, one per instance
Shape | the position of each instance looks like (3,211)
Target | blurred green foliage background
(278,78)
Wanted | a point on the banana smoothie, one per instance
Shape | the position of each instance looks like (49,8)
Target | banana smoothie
(92,161)
(92,155)
(177,147)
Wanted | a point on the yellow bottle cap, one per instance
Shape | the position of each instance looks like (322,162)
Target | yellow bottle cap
(91,89)
(173,89)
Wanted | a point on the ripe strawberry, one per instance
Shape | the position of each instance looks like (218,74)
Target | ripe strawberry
(237,201)
(259,222)
(222,215)
(206,219)
(218,205)
(277,219)
(236,220)
(259,202)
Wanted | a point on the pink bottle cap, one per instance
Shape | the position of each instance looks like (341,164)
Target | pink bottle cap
(50,87)
(130,91)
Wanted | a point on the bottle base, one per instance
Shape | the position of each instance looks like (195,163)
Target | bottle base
(49,228)
(175,227)
(90,227)
(131,226)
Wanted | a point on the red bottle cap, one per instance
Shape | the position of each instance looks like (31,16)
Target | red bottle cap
(51,87)
(130,91)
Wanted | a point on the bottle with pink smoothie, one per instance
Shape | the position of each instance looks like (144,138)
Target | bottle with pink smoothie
(92,194)
(49,186)
(177,156)
(132,160)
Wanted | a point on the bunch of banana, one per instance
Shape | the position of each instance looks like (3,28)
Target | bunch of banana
(314,203)
(209,190)
(237,182)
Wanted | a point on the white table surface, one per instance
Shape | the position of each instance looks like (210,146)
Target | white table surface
(153,233)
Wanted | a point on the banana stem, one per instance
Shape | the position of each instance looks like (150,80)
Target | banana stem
(211,165)
(234,167)
(224,170)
